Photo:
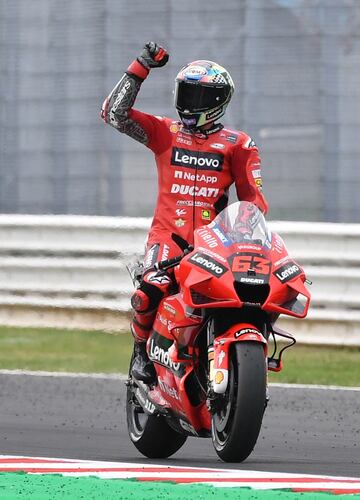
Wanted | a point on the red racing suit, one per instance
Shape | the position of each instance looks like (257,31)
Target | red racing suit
(195,170)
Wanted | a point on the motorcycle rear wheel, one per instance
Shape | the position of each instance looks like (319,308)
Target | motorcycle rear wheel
(151,434)
(236,424)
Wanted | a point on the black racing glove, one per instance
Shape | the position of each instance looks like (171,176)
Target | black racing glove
(153,56)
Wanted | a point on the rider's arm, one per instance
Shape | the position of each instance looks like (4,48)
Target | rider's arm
(246,171)
(117,108)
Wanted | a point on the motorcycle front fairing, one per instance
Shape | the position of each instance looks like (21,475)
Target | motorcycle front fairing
(237,260)
(238,263)
(237,266)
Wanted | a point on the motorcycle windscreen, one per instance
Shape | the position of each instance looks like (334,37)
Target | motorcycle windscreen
(242,222)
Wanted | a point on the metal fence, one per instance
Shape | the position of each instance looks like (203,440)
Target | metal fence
(296,64)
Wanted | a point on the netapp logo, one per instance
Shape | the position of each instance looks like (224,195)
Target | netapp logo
(287,272)
(209,264)
(197,160)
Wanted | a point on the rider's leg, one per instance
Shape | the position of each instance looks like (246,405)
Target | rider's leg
(155,285)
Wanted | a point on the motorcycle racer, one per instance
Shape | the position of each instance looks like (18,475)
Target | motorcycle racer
(197,159)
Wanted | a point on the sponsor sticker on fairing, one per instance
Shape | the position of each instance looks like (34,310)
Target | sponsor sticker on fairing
(159,352)
(217,256)
(287,272)
(252,281)
(246,331)
(168,389)
(208,264)
(208,237)
(217,145)
(170,309)
(278,243)
(222,237)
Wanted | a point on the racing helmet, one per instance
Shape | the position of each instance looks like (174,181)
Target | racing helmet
(203,90)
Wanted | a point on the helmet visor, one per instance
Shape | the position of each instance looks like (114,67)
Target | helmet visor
(194,97)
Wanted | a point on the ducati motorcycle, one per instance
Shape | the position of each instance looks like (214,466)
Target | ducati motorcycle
(210,340)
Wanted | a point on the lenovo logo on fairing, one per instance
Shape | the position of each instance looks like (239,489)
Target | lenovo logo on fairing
(210,265)
(163,357)
(287,272)
(197,159)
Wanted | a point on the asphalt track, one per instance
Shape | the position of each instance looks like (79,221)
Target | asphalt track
(305,430)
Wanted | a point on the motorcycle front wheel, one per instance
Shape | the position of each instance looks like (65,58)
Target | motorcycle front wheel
(236,422)
(151,434)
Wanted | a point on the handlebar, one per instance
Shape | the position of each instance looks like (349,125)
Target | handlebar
(168,263)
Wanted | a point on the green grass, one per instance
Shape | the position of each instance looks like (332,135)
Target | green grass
(93,351)
(305,364)
(64,350)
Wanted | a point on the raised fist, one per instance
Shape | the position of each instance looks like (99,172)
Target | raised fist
(153,56)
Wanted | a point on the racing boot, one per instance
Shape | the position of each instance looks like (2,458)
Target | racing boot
(142,368)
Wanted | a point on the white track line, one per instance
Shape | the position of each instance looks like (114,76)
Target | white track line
(121,376)
(315,386)
(187,475)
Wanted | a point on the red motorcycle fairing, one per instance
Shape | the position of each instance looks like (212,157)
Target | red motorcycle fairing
(170,347)
(219,352)
(207,278)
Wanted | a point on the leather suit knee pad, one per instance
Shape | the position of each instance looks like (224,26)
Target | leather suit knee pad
(154,286)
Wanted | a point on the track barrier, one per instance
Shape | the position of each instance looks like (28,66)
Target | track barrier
(64,270)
